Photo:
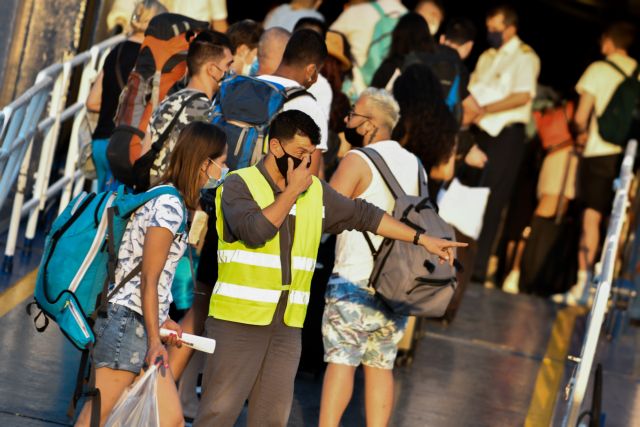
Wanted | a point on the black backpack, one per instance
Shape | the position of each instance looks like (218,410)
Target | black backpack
(408,279)
(447,66)
(621,118)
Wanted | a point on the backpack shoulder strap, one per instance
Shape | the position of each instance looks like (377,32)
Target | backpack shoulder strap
(385,172)
(294,92)
(378,8)
(616,67)
(157,146)
(124,207)
(422,180)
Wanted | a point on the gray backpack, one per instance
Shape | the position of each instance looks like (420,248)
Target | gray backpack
(405,276)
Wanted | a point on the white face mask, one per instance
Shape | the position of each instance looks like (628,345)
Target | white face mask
(246,69)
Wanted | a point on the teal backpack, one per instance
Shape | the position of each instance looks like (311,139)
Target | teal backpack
(621,118)
(80,257)
(380,42)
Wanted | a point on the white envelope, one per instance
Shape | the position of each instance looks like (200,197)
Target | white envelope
(463,207)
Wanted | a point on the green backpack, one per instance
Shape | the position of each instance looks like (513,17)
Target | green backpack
(621,118)
(380,42)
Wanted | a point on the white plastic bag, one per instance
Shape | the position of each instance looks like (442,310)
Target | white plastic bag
(138,405)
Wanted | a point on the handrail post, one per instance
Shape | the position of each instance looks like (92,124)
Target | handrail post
(603,289)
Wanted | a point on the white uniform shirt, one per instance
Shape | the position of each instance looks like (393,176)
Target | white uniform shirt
(601,80)
(306,104)
(358,22)
(514,68)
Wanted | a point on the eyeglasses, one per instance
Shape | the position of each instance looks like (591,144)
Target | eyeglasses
(225,74)
(352,113)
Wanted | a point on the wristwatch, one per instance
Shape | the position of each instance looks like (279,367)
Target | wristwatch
(416,238)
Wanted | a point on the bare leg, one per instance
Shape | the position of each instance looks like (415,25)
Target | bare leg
(336,393)
(112,383)
(590,238)
(378,396)
(169,407)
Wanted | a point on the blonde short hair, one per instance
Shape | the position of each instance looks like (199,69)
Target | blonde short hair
(384,104)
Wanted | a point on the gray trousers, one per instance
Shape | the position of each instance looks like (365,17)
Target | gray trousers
(257,363)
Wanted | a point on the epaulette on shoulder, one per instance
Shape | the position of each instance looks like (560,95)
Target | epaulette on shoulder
(526,48)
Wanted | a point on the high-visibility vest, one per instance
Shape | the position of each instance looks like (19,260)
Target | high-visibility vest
(249,282)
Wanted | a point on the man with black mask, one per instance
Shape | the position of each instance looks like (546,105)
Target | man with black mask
(502,89)
(349,303)
(270,218)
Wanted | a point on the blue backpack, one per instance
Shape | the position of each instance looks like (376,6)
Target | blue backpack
(244,109)
(80,257)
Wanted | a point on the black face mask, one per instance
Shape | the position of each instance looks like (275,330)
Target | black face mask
(495,39)
(283,163)
(353,137)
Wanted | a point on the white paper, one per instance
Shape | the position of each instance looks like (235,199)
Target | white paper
(463,207)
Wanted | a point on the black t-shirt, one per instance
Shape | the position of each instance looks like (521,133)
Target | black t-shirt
(208,266)
(124,55)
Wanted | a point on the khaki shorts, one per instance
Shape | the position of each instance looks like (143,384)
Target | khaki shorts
(358,328)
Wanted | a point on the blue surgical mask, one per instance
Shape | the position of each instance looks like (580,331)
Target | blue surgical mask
(216,182)
(253,71)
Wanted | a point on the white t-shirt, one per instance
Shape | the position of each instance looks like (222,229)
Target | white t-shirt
(514,68)
(354,261)
(321,89)
(306,104)
(601,80)
(285,17)
(166,211)
(358,22)
(202,10)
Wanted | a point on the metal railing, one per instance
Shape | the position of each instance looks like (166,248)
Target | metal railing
(25,120)
(579,381)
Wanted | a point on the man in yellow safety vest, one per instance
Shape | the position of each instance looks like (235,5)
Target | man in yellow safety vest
(270,218)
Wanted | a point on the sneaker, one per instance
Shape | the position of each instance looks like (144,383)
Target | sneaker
(511,283)
(579,294)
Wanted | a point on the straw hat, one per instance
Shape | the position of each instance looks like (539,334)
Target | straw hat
(335,46)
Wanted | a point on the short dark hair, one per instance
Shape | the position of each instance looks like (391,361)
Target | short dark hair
(621,33)
(311,23)
(290,123)
(460,30)
(246,32)
(208,45)
(508,13)
(305,47)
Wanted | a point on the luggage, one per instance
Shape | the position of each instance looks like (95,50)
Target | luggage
(80,257)
(621,118)
(244,111)
(380,42)
(407,278)
(407,345)
(554,126)
(160,65)
(550,258)
(447,67)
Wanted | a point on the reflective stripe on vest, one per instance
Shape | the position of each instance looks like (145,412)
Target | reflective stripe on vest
(250,279)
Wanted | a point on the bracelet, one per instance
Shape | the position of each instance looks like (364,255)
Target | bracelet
(417,237)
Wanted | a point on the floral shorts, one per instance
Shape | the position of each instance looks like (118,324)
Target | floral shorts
(359,328)
(121,340)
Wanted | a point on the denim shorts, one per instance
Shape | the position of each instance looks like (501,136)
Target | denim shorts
(357,327)
(121,340)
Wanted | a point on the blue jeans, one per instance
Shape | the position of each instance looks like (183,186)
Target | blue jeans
(121,340)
